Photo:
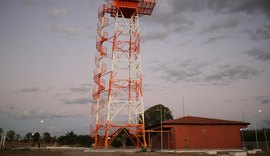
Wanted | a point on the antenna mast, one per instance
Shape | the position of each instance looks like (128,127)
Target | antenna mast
(118,74)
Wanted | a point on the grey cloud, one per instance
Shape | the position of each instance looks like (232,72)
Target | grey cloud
(216,38)
(186,70)
(197,6)
(226,74)
(251,6)
(71,33)
(186,42)
(259,54)
(228,101)
(81,101)
(186,6)
(59,25)
(67,31)
(57,12)
(267,122)
(168,18)
(82,89)
(36,114)
(37,3)
(204,73)
(224,6)
(262,33)
(147,88)
(186,75)
(220,24)
(263,99)
(29,90)
(162,33)
(164,22)
(174,15)
(155,35)
(31,2)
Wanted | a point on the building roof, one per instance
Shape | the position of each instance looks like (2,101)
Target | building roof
(191,120)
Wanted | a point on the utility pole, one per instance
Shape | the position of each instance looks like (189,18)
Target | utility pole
(257,144)
(183,107)
(265,136)
(161,127)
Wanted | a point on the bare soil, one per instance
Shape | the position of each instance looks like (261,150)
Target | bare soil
(81,153)
(26,149)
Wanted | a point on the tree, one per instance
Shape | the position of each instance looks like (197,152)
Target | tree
(1,131)
(18,137)
(85,140)
(36,137)
(61,140)
(152,115)
(70,138)
(46,137)
(28,136)
(11,135)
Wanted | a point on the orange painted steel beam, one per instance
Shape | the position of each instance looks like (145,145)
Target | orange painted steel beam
(118,76)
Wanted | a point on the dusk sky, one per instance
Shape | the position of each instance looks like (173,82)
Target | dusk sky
(213,53)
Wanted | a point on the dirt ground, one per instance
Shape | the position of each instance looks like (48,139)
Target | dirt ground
(26,149)
(45,152)
(81,153)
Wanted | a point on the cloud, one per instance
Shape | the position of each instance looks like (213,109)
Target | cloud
(69,32)
(29,90)
(164,22)
(251,6)
(174,16)
(82,89)
(227,23)
(224,75)
(267,122)
(259,54)
(57,12)
(31,2)
(203,73)
(216,38)
(81,101)
(76,90)
(185,70)
(59,24)
(198,6)
(262,33)
(263,99)
(155,35)
(38,114)
(164,30)
(224,6)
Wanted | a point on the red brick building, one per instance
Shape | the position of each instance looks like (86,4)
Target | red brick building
(197,133)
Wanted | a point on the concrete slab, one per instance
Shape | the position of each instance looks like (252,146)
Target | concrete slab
(257,150)
(237,153)
(92,150)
(66,148)
(251,152)
(211,152)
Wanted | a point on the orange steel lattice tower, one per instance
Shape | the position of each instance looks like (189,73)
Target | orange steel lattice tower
(118,75)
